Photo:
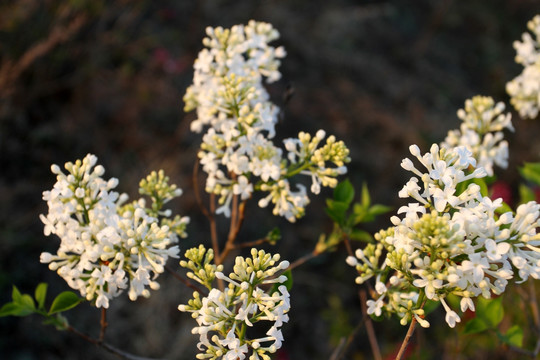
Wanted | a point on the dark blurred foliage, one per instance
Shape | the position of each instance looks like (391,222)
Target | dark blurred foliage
(107,77)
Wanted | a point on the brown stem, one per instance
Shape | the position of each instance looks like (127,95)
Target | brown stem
(533,303)
(348,245)
(208,213)
(369,326)
(10,71)
(251,243)
(529,353)
(405,343)
(237,218)
(303,259)
(113,350)
(184,281)
(103,323)
(367,320)
(197,191)
(213,226)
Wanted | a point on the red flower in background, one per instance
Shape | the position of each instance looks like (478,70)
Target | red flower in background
(501,189)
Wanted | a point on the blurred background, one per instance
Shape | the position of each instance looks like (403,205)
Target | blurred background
(107,77)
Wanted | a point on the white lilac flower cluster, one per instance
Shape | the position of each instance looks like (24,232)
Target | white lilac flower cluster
(105,246)
(237,152)
(481,132)
(524,90)
(226,318)
(450,240)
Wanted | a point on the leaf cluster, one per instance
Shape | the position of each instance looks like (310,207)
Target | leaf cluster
(347,215)
(25,304)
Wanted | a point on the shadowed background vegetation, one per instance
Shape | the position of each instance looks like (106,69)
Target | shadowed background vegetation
(107,77)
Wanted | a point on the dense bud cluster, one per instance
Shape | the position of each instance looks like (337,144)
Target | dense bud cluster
(237,152)
(253,295)
(524,90)
(452,239)
(107,246)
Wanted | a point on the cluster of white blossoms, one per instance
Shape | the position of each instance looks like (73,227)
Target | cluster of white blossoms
(226,318)
(524,90)
(481,132)
(450,240)
(106,244)
(237,152)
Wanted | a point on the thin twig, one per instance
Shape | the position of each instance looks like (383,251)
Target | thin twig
(529,353)
(303,259)
(10,71)
(237,218)
(369,326)
(348,245)
(213,226)
(367,320)
(196,189)
(533,303)
(337,353)
(103,323)
(113,350)
(251,243)
(208,213)
(341,350)
(405,343)
(184,281)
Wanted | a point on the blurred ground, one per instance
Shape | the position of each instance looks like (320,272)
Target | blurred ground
(107,77)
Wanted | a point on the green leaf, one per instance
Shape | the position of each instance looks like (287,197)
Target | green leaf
(24,302)
(474,326)
(40,295)
(16,295)
(9,309)
(462,186)
(525,194)
(359,214)
(483,186)
(15,309)
(378,209)
(494,312)
(361,235)
(490,311)
(514,336)
(274,236)
(531,172)
(344,192)
(430,306)
(28,302)
(366,199)
(64,301)
(504,208)
(288,283)
(336,210)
